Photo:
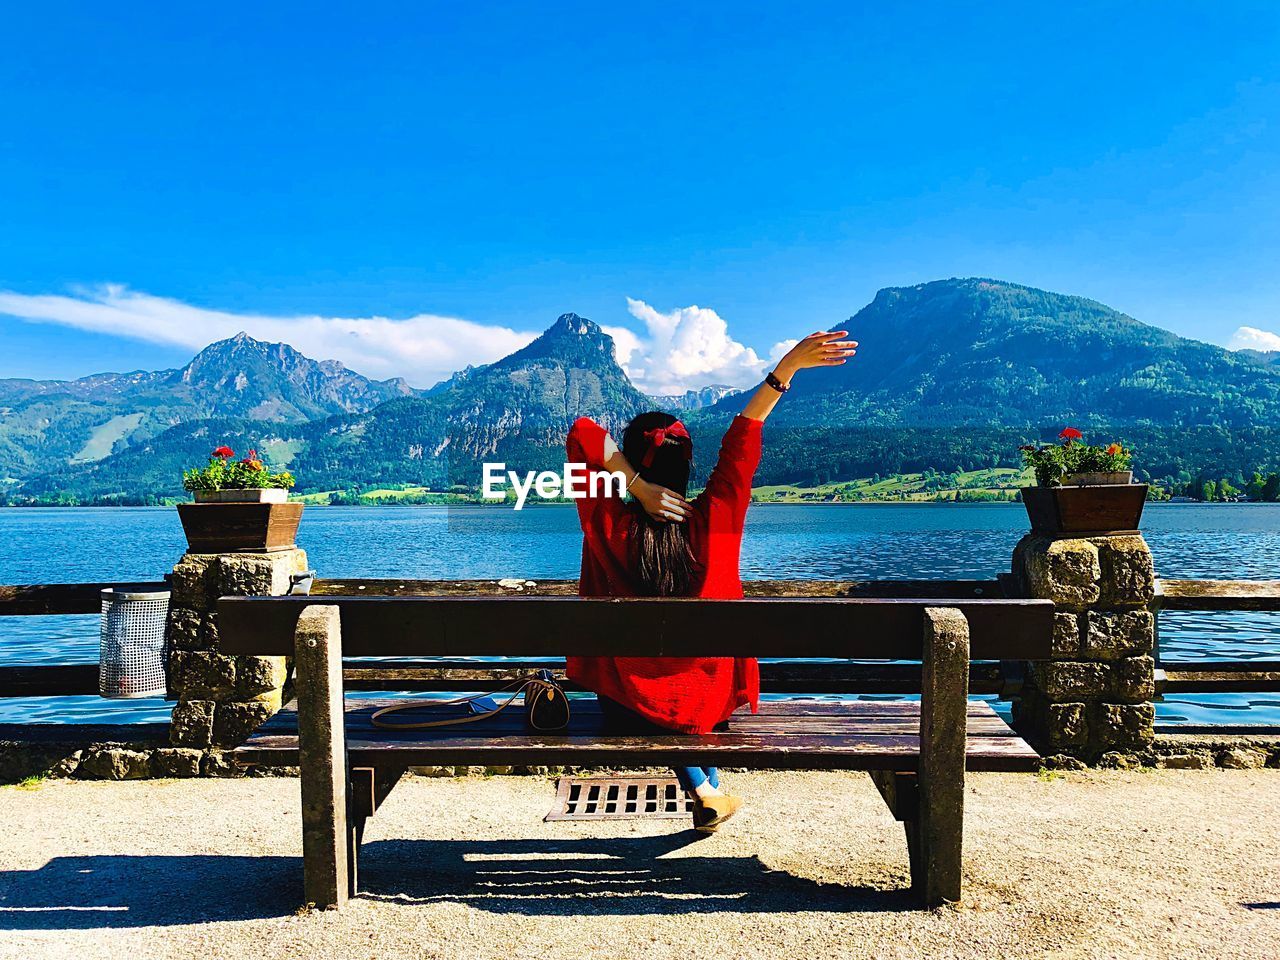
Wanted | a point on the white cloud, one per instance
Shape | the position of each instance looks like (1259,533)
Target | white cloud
(688,347)
(1251,338)
(423,349)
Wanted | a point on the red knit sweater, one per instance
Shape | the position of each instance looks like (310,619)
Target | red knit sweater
(689,694)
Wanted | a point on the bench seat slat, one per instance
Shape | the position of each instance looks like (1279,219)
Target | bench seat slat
(856,735)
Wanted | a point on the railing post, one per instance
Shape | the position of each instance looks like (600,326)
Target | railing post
(322,757)
(221,699)
(1096,695)
(937,844)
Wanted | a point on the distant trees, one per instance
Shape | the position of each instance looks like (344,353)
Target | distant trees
(1262,487)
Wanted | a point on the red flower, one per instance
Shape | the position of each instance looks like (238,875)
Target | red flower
(1070,433)
(226,453)
(252,461)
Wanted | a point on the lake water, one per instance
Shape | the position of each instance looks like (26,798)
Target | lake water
(854,541)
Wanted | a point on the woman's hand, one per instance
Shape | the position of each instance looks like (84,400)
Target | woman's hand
(660,503)
(816,350)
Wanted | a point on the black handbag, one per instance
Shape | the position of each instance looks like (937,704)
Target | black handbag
(546,706)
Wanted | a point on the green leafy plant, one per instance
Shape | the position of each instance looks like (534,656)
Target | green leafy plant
(224,472)
(1052,462)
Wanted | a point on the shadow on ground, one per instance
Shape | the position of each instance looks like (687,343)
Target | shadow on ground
(86,893)
(536,877)
(622,876)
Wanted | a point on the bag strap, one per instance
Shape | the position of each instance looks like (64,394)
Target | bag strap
(534,680)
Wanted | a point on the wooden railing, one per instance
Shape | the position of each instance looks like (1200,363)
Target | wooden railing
(52,599)
(1001,679)
(1217,676)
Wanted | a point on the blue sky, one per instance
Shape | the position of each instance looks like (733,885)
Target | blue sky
(408,187)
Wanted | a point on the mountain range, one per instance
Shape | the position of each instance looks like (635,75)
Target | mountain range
(951,374)
(52,423)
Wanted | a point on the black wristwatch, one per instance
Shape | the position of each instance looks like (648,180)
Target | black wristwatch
(772,380)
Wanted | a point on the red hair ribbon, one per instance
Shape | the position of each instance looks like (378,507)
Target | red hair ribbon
(660,435)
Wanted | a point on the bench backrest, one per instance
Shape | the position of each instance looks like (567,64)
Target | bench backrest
(553,626)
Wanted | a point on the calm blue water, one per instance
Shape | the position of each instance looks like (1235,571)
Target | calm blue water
(860,541)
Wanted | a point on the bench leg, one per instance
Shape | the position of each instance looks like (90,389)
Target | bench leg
(322,759)
(355,837)
(369,787)
(938,831)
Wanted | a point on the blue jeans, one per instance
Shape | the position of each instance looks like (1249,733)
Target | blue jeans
(625,720)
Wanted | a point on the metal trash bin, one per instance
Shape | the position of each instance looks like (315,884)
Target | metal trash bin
(131,651)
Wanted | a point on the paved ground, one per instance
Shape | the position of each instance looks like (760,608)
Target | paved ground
(1164,864)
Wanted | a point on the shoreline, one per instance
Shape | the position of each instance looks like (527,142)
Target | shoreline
(469,504)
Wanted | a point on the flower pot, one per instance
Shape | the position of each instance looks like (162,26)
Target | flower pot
(250,495)
(1097,478)
(1104,508)
(240,527)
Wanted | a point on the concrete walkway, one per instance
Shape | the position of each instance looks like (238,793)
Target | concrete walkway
(1163,864)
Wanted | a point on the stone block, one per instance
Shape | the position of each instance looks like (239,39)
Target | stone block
(1069,681)
(66,766)
(209,632)
(1114,760)
(1066,635)
(1133,680)
(192,724)
(258,675)
(1061,570)
(1063,761)
(182,629)
(272,699)
(1066,725)
(1110,634)
(1198,760)
(114,763)
(1051,727)
(194,582)
(200,675)
(1123,725)
(1128,575)
(1242,758)
(258,574)
(233,722)
(219,764)
(431,771)
(176,762)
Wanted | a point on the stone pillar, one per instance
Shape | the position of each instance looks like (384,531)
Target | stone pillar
(221,699)
(1095,696)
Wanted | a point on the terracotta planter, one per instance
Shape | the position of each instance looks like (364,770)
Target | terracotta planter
(251,495)
(240,527)
(1098,479)
(1085,509)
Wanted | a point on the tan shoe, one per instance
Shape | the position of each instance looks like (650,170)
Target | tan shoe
(710,812)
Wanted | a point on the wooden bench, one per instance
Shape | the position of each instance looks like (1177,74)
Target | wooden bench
(916,752)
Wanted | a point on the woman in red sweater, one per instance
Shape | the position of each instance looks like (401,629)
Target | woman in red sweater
(661,544)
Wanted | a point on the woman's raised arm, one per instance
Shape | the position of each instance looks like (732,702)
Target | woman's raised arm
(815,350)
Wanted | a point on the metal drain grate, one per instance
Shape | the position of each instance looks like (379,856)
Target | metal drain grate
(619,798)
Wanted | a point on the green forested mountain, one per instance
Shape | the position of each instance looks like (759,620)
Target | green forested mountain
(985,353)
(1266,358)
(951,376)
(48,424)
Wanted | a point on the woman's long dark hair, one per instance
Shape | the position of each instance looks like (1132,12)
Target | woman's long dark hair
(664,562)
